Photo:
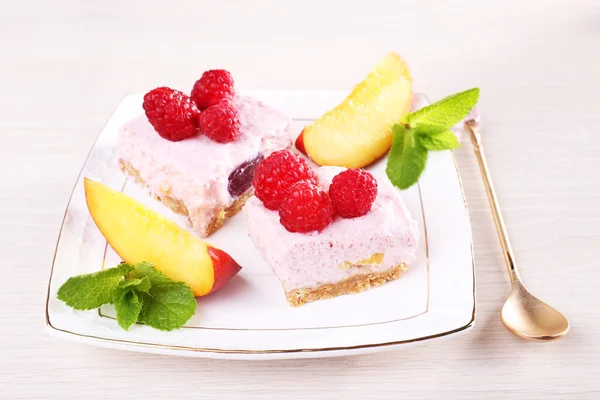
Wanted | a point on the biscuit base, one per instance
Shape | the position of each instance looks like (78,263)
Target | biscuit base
(177,205)
(354,284)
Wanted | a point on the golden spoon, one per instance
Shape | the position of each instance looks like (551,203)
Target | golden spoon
(523,313)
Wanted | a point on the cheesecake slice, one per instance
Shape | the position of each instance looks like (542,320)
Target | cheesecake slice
(199,178)
(348,256)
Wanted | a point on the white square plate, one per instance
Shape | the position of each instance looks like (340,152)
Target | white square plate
(249,318)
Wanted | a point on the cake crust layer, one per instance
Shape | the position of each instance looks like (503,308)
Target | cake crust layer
(354,284)
(179,207)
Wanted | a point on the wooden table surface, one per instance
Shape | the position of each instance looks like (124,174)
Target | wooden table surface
(65,64)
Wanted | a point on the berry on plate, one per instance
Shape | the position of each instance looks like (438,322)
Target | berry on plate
(214,85)
(353,192)
(220,122)
(172,114)
(307,208)
(276,174)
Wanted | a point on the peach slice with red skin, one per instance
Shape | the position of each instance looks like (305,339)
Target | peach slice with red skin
(137,233)
(358,131)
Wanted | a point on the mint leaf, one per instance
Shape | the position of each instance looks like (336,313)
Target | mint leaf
(128,306)
(141,285)
(146,270)
(407,158)
(400,132)
(423,130)
(444,140)
(143,295)
(89,291)
(167,306)
(445,113)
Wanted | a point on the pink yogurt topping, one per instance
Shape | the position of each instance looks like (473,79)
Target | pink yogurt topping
(304,260)
(196,170)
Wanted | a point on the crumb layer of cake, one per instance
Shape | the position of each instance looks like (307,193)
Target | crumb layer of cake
(308,261)
(195,172)
(354,284)
(178,207)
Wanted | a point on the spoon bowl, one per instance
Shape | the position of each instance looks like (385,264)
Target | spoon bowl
(527,316)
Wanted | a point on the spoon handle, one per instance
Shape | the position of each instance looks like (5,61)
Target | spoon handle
(474,132)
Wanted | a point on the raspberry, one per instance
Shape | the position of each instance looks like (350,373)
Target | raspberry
(214,85)
(172,114)
(306,208)
(353,192)
(220,122)
(276,174)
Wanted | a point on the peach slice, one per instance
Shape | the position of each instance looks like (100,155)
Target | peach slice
(137,233)
(359,130)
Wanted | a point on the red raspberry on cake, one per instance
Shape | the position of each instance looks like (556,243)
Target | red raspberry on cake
(220,122)
(353,192)
(213,87)
(276,174)
(172,113)
(307,208)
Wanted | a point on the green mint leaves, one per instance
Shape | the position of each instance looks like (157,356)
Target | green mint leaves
(128,306)
(445,113)
(86,292)
(139,293)
(425,130)
(167,306)
(407,157)
(444,140)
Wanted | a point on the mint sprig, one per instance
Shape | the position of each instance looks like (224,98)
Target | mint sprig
(427,129)
(139,293)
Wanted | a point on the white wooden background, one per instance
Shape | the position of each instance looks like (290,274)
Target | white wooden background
(65,64)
